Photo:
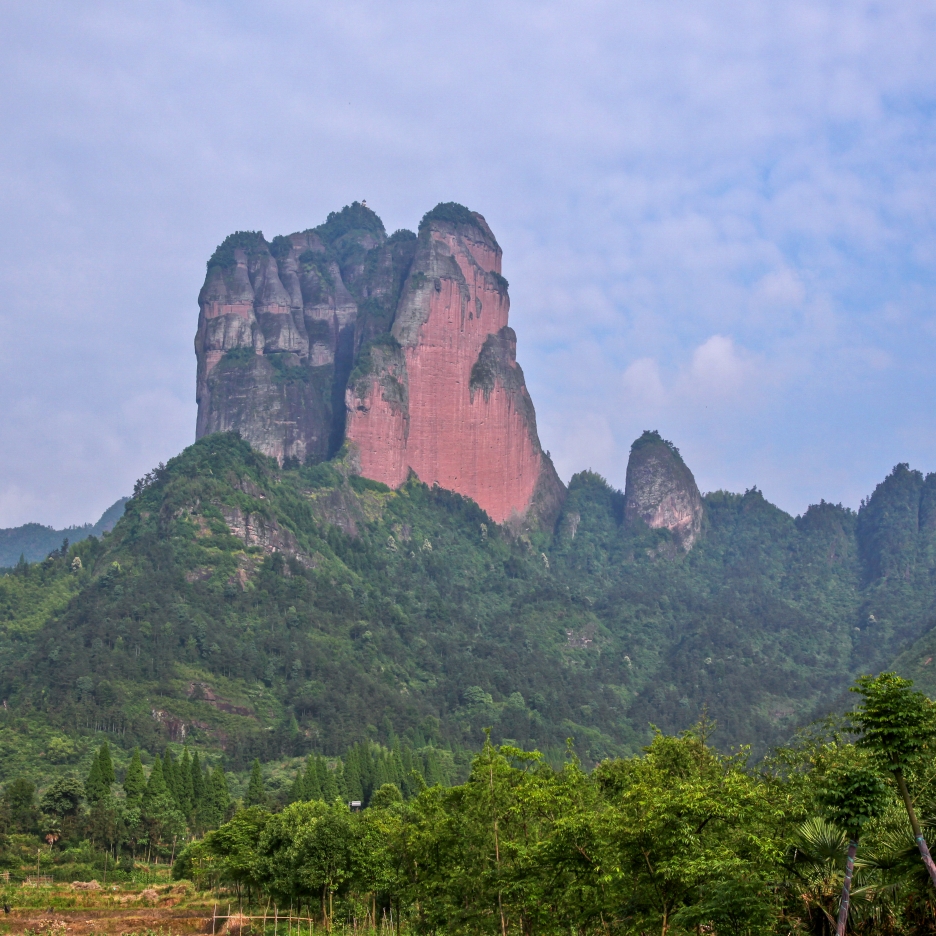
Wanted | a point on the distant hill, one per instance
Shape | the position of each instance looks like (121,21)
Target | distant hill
(33,541)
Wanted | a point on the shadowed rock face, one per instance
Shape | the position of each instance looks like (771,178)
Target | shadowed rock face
(661,491)
(281,323)
(397,346)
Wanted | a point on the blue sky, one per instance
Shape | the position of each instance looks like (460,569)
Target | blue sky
(717,217)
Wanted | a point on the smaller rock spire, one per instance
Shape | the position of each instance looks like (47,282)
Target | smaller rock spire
(661,491)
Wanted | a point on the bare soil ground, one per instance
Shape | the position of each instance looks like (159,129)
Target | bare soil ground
(112,921)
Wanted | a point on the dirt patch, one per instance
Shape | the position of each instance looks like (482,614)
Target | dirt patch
(111,921)
(237,925)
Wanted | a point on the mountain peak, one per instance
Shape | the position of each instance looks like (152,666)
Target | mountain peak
(395,350)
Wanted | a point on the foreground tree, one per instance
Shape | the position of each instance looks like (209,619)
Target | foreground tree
(897,727)
(853,795)
(688,839)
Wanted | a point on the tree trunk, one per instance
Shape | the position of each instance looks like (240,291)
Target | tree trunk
(915,825)
(500,901)
(846,888)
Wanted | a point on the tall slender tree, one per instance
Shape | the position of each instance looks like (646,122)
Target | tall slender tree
(107,765)
(853,795)
(186,799)
(95,787)
(170,772)
(218,795)
(256,794)
(134,782)
(897,726)
(199,803)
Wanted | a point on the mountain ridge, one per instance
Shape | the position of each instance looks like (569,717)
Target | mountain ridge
(34,541)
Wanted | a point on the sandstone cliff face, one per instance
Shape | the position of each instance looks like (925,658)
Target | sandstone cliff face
(280,324)
(398,346)
(661,491)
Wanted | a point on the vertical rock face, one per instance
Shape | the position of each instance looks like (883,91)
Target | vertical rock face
(398,346)
(897,526)
(280,324)
(661,491)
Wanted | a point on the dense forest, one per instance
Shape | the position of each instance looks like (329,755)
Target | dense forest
(250,611)
(677,839)
(680,839)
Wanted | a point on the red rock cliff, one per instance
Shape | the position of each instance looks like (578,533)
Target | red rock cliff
(397,345)
(445,397)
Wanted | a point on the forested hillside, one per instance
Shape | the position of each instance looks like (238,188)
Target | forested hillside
(269,613)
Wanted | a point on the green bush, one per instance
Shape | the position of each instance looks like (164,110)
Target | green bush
(250,241)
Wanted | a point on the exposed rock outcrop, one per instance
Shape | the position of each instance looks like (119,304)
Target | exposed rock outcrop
(397,346)
(256,530)
(444,396)
(661,491)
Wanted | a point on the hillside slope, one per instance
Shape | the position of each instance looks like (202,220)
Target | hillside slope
(269,612)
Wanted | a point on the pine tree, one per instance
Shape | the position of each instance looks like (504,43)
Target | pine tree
(313,783)
(256,795)
(431,770)
(382,768)
(297,792)
(221,794)
(397,772)
(161,816)
(198,788)
(352,774)
(134,782)
(330,788)
(169,773)
(322,775)
(217,799)
(208,794)
(95,788)
(412,770)
(184,772)
(156,785)
(107,766)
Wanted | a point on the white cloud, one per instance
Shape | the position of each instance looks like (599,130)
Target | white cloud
(718,370)
(643,386)
(780,288)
